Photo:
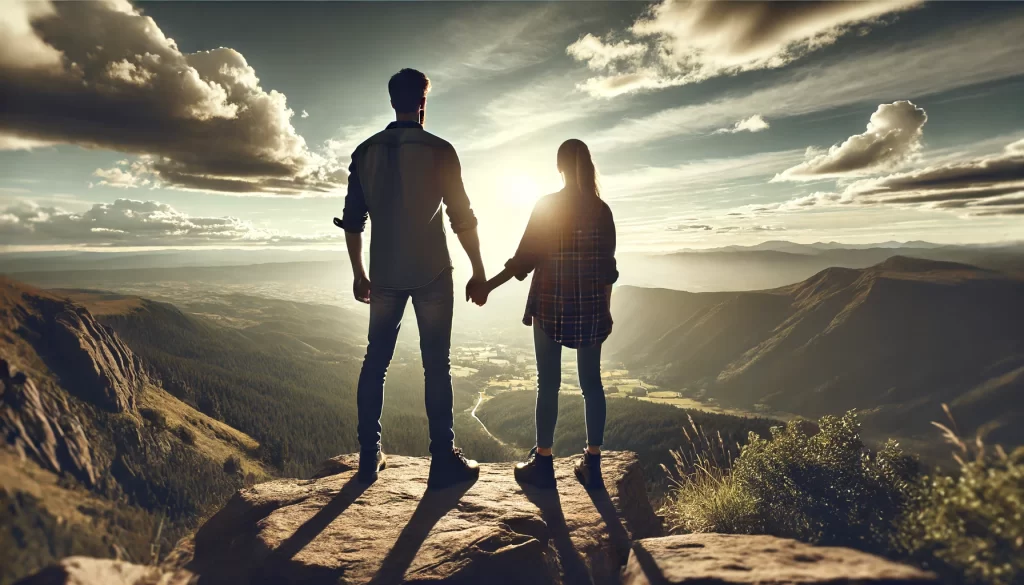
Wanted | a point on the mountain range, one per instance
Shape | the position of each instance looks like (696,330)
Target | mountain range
(895,341)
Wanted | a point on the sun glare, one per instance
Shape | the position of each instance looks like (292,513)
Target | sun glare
(520,189)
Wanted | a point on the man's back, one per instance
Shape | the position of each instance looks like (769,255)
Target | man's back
(400,177)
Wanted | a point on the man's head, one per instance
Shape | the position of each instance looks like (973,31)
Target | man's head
(408,89)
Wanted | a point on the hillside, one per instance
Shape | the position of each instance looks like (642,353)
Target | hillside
(894,340)
(98,458)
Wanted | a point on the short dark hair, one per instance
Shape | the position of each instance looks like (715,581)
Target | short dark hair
(407,88)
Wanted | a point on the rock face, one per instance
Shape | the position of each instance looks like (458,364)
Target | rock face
(101,368)
(334,529)
(710,559)
(89,360)
(40,426)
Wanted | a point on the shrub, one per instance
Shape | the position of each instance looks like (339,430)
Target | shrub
(186,434)
(971,525)
(232,465)
(155,417)
(823,488)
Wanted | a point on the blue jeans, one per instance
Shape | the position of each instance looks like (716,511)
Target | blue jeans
(549,380)
(433,304)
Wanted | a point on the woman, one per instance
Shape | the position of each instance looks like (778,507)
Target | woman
(570,245)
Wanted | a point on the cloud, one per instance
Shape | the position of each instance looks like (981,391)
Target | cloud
(754,123)
(305,114)
(946,60)
(893,136)
(689,227)
(988,185)
(119,83)
(126,222)
(678,42)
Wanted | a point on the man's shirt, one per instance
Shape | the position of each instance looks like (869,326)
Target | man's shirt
(399,178)
(570,245)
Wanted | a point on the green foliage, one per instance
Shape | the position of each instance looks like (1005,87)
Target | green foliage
(826,488)
(971,525)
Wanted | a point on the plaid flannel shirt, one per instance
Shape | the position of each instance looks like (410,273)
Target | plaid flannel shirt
(570,245)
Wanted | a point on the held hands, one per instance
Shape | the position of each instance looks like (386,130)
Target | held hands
(361,289)
(477,290)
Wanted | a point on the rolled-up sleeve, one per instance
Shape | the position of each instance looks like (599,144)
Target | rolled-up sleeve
(354,217)
(609,268)
(529,251)
(456,202)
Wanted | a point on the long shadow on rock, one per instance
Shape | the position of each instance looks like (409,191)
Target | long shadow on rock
(573,567)
(616,531)
(305,534)
(434,505)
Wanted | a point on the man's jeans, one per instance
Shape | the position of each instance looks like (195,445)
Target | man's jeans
(433,304)
(549,380)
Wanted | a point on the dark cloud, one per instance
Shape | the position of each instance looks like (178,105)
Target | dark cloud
(892,137)
(678,42)
(993,183)
(101,74)
(126,222)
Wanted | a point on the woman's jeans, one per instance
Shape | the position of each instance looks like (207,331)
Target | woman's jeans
(549,379)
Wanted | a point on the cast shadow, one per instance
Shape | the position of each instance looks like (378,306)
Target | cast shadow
(305,534)
(434,505)
(616,531)
(573,566)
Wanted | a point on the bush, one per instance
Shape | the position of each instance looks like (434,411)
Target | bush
(155,417)
(187,435)
(971,526)
(232,465)
(822,488)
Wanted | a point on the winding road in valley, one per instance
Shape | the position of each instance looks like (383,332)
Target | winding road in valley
(480,401)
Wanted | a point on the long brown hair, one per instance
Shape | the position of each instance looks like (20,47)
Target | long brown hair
(574,157)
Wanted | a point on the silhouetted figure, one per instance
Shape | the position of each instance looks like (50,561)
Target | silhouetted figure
(569,244)
(399,178)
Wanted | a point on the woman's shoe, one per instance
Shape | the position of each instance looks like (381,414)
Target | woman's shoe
(538,471)
(588,471)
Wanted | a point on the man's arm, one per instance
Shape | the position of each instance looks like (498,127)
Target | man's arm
(353,221)
(462,219)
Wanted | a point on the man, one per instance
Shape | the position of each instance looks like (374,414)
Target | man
(399,178)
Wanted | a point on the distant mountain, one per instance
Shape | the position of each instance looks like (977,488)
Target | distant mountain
(95,451)
(894,340)
(778,263)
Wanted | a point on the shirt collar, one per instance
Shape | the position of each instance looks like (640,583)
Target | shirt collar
(405,124)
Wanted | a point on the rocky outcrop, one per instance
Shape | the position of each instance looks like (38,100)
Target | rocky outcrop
(712,559)
(89,571)
(88,359)
(41,426)
(333,529)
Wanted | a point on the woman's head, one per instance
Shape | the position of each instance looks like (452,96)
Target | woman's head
(577,167)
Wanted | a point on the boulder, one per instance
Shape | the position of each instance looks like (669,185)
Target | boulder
(89,571)
(710,559)
(334,529)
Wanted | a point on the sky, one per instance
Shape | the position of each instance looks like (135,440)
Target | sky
(222,124)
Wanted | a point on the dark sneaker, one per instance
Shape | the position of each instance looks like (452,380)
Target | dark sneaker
(370,463)
(588,471)
(538,470)
(448,469)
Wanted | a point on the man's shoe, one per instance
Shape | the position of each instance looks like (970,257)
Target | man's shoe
(538,471)
(448,469)
(370,463)
(588,471)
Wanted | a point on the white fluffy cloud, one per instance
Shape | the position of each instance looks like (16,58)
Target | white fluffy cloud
(119,83)
(126,222)
(892,137)
(755,123)
(690,41)
(988,185)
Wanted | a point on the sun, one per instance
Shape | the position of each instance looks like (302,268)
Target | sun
(520,189)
